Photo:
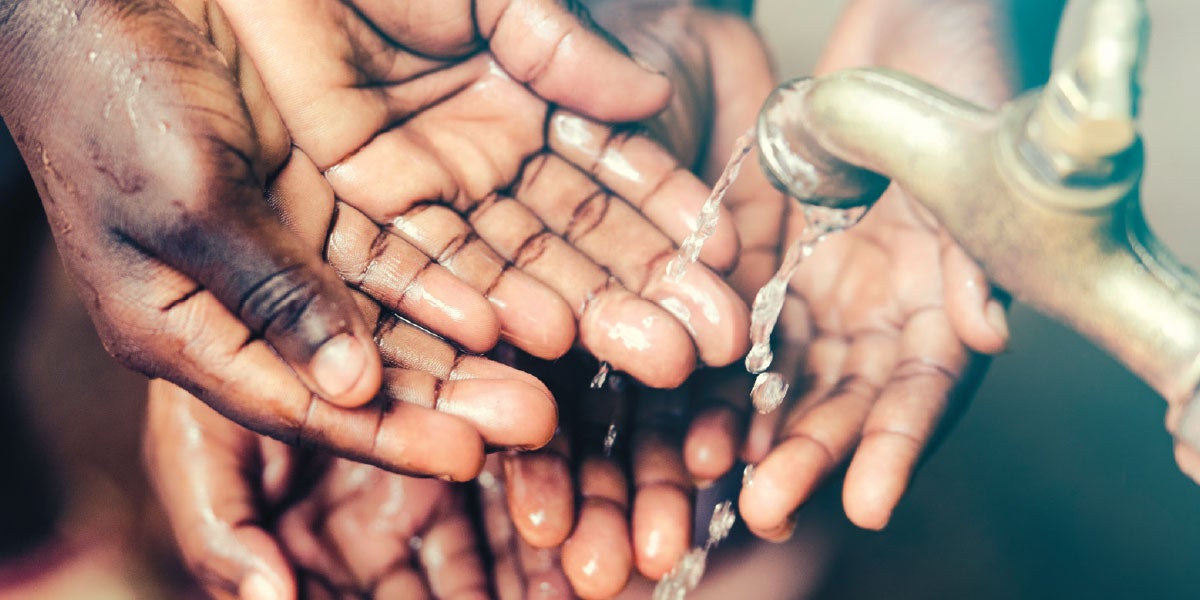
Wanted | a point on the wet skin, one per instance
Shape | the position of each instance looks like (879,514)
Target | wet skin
(251,512)
(151,147)
(441,146)
(542,499)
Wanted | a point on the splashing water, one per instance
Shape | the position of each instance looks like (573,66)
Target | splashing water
(748,476)
(710,212)
(610,439)
(768,392)
(686,574)
(600,377)
(771,388)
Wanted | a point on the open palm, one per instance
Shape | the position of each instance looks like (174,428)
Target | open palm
(437,129)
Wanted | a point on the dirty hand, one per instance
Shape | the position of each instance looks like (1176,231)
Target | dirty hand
(151,171)
(472,144)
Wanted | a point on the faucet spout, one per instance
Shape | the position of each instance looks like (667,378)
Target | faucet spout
(1042,193)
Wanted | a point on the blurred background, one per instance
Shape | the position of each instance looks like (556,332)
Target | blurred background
(1058,482)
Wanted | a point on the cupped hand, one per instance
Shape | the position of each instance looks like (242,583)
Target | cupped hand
(877,334)
(261,520)
(608,494)
(151,166)
(882,324)
(469,135)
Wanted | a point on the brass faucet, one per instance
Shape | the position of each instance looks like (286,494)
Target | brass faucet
(1042,193)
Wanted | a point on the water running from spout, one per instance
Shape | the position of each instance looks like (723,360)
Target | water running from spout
(820,222)
(710,211)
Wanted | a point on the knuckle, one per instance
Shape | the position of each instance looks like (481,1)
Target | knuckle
(279,301)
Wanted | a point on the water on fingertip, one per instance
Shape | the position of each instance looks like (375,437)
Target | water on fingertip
(768,392)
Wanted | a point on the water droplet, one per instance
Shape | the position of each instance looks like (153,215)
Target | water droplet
(710,211)
(721,523)
(487,481)
(759,358)
(415,543)
(768,392)
(610,439)
(600,377)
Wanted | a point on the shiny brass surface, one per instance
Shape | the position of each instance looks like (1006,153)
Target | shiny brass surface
(1042,193)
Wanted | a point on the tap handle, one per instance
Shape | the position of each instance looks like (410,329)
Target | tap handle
(1087,111)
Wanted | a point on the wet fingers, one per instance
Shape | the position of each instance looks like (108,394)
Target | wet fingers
(636,336)
(402,278)
(597,557)
(662,505)
(532,316)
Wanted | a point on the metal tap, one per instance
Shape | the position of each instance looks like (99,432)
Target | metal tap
(1042,193)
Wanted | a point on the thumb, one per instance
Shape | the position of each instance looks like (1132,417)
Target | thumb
(279,289)
(200,464)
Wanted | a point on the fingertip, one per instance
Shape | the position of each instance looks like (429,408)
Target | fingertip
(346,371)
(711,444)
(597,558)
(1188,460)
(877,478)
(662,518)
(540,497)
(258,586)
(978,317)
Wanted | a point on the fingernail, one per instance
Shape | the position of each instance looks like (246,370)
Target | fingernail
(339,364)
(703,484)
(258,587)
(997,318)
(645,63)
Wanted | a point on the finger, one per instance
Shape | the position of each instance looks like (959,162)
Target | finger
(404,345)
(449,554)
(978,316)
(369,518)
(597,557)
(506,413)
(610,231)
(903,419)
(647,176)
(552,56)
(541,498)
(662,505)
(404,279)
(225,237)
(616,326)
(816,439)
(718,427)
(248,383)
(199,463)
(532,316)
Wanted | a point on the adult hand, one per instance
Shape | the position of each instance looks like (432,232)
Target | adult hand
(151,169)
(471,143)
